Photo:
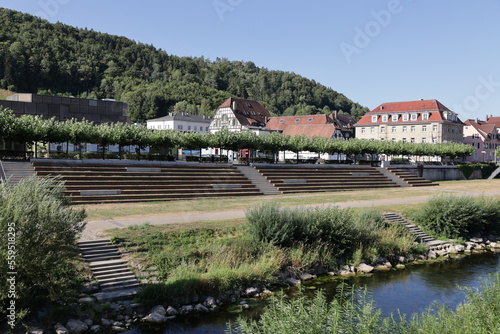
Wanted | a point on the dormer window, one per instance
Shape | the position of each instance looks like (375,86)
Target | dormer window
(405,117)
(281,120)
(310,119)
(374,118)
(414,117)
(395,117)
(297,120)
(385,118)
(425,116)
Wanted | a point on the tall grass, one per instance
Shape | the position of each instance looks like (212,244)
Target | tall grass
(356,313)
(459,216)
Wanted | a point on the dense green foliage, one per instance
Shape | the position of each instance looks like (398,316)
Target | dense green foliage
(353,314)
(485,168)
(43,247)
(341,231)
(37,56)
(29,128)
(459,216)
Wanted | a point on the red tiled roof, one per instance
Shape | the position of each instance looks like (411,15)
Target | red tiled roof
(280,123)
(248,112)
(311,130)
(482,127)
(433,107)
(494,120)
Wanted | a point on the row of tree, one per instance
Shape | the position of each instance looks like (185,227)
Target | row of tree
(56,59)
(29,128)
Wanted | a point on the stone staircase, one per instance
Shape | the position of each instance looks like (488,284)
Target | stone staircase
(411,179)
(414,229)
(15,171)
(108,268)
(264,186)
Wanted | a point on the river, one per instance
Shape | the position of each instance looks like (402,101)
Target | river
(409,290)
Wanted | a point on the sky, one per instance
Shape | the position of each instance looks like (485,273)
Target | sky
(373,51)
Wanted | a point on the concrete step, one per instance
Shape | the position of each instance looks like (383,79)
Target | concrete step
(117,279)
(106,263)
(119,285)
(110,269)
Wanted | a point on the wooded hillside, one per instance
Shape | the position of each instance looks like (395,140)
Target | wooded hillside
(56,59)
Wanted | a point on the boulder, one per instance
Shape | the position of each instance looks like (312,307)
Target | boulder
(292,281)
(86,300)
(154,318)
(432,255)
(210,302)
(364,268)
(118,329)
(105,322)
(172,311)
(159,309)
(307,277)
(459,248)
(251,292)
(76,326)
(96,328)
(187,309)
(201,308)
(60,329)
(35,331)
(88,322)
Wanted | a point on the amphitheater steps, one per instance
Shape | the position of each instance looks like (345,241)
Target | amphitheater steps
(15,171)
(411,179)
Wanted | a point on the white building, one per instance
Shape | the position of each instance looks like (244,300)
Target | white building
(180,122)
(238,115)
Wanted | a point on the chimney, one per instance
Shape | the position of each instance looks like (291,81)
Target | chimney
(335,114)
(234,105)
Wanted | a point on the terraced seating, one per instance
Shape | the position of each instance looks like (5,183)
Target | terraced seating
(412,179)
(90,183)
(314,178)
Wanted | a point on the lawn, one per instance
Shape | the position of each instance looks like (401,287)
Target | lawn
(169,208)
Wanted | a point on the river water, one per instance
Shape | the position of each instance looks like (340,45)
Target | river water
(409,290)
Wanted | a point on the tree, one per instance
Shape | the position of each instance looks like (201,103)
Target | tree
(39,228)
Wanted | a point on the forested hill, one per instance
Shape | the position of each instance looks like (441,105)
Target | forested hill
(56,59)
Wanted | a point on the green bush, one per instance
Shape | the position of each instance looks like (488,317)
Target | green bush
(45,231)
(459,216)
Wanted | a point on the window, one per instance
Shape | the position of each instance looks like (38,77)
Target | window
(412,140)
(405,117)
(424,140)
(434,140)
(404,140)
(412,128)
(282,120)
(405,129)
(195,128)
(393,139)
(395,117)
(179,127)
(372,130)
(382,129)
(363,130)
(206,129)
(297,120)
(434,128)
(475,156)
(189,127)
(425,116)
(414,117)
(385,118)
(393,129)
(424,128)
(310,119)
(374,118)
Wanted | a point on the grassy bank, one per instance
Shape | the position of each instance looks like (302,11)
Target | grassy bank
(222,257)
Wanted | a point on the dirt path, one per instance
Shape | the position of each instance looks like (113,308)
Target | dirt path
(92,228)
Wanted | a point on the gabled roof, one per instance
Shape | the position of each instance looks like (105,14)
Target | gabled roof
(483,128)
(493,120)
(433,108)
(283,122)
(311,130)
(182,117)
(248,112)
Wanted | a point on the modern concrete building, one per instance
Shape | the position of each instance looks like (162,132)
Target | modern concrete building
(64,108)
(484,136)
(421,121)
(180,122)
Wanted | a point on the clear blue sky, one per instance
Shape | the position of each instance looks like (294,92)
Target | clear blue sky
(373,51)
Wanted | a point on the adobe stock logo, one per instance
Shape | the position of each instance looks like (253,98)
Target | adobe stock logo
(363,36)
(483,91)
(50,8)
(224,6)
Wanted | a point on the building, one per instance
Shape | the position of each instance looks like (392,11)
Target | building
(64,108)
(422,121)
(484,136)
(238,115)
(332,126)
(180,122)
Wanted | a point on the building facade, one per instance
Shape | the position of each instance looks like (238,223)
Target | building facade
(422,121)
(180,122)
(484,136)
(238,115)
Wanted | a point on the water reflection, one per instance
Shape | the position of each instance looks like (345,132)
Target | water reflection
(410,290)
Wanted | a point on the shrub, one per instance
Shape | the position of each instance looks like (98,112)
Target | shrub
(459,216)
(45,232)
